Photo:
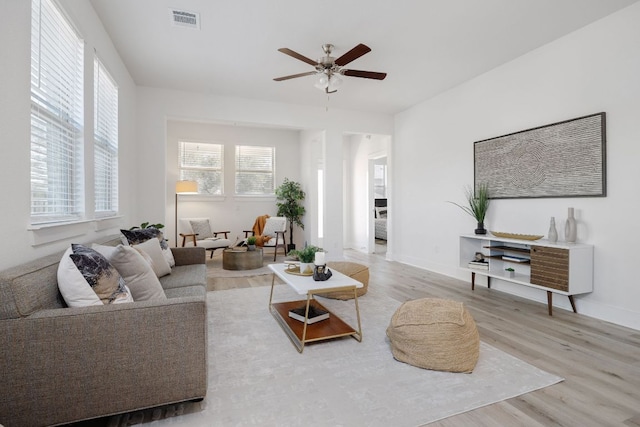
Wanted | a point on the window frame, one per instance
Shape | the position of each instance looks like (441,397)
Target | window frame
(186,172)
(238,170)
(57,116)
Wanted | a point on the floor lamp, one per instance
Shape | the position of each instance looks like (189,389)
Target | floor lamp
(184,187)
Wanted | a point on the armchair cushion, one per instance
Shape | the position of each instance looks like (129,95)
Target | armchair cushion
(202,228)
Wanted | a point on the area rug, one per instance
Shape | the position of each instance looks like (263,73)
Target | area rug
(257,377)
(215,270)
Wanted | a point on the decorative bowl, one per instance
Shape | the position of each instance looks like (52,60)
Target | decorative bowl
(517,236)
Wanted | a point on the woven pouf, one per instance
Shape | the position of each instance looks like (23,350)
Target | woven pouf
(356,271)
(436,334)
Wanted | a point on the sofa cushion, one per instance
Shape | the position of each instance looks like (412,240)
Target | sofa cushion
(135,270)
(73,286)
(103,278)
(140,235)
(187,275)
(153,250)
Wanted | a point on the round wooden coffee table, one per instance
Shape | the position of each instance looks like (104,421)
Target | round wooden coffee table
(241,259)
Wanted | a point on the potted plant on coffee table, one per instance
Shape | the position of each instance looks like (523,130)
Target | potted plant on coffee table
(251,243)
(478,204)
(306,257)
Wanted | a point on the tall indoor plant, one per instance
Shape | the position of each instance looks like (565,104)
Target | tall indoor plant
(289,198)
(478,204)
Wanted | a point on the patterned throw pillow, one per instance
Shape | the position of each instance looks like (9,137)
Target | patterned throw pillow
(141,235)
(202,228)
(103,278)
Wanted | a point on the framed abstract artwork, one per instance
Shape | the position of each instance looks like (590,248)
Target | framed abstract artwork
(564,159)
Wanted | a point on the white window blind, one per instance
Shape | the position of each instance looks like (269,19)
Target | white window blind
(255,170)
(56,116)
(105,113)
(203,163)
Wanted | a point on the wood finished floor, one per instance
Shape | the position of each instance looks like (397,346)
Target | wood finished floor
(599,361)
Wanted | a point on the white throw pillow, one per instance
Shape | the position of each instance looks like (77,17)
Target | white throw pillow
(103,278)
(74,288)
(136,271)
(272,225)
(152,249)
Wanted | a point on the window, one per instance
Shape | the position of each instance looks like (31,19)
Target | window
(56,116)
(204,163)
(105,141)
(254,170)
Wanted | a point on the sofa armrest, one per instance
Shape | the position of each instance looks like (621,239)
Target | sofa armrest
(105,359)
(190,255)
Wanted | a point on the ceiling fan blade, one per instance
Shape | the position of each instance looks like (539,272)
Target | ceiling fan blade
(353,54)
(365,74)
(293,76)
(296,55)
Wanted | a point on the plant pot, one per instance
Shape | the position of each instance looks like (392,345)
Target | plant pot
(291,247)
(481,229)
(306,267)
(251,247)
(511,274)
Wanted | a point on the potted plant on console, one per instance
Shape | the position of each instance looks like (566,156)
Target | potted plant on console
(478,204)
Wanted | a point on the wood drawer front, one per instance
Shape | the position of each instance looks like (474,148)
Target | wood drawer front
(550,267)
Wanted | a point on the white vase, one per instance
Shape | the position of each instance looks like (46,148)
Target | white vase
(306,267)
(570,231)
(553,233)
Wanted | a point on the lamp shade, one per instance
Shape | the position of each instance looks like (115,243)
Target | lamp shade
(186,187)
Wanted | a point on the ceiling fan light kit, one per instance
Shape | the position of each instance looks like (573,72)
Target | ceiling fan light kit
(328,69)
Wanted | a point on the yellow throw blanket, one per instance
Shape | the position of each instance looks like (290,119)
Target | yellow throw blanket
(258,228)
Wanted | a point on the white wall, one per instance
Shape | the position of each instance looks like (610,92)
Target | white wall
(359,150)
(156,106)
(591,70)
(230,212)
(20,244)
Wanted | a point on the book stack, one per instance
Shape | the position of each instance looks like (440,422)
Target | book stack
(315,314)
(479,265)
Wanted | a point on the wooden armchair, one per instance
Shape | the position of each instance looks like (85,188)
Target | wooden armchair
(197,232)
(272,230)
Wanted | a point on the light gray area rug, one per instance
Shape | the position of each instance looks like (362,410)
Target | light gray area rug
(257,378)
(215,270)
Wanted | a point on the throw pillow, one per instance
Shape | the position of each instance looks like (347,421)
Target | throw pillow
(103,278)
(202,228)
(152,249)
(136,271)
(381,212)
(139,235)
(74,288)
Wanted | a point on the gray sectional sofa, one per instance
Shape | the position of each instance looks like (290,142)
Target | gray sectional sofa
(59,365)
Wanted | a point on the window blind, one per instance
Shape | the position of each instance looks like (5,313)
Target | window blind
(105,141)
(56,116)
(203,163)
(255,170)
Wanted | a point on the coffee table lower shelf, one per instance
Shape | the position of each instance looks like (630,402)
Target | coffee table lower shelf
(330,328)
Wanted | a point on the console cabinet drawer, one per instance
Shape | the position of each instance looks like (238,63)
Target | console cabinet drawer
(550,267)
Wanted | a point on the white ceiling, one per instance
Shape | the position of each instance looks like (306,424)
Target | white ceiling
(425,46)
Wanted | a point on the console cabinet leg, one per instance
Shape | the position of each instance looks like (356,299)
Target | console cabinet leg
(573,304)
(550,302)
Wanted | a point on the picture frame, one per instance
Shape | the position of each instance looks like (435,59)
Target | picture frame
(563,159)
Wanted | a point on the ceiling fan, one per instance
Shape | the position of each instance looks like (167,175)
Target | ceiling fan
(328,68)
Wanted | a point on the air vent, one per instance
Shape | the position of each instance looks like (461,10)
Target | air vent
(184,18)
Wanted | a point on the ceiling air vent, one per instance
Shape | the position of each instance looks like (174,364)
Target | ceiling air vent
(184,18)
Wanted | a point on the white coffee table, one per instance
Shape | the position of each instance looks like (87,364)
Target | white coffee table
(301,333)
